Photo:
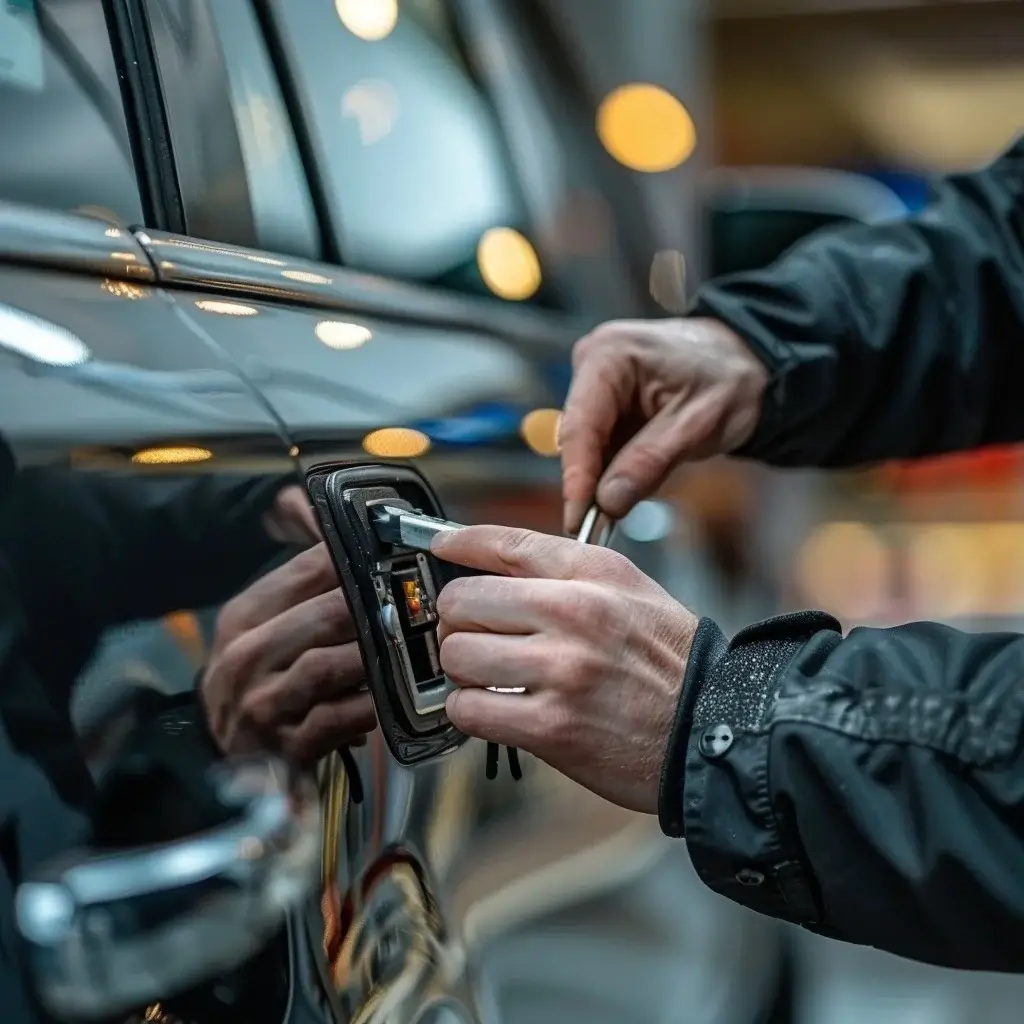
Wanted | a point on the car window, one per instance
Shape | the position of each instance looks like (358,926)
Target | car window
(64,136)
(411,158)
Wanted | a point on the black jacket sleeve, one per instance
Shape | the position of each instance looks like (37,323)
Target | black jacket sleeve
(869,788)
(893,340)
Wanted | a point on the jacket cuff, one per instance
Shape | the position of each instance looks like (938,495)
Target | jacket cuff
(715,783)
(784,314)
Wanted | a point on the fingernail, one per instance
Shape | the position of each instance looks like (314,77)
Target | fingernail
(440,539)
(573,516)
(617,495)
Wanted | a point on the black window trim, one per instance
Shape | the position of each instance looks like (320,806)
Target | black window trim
(148,130)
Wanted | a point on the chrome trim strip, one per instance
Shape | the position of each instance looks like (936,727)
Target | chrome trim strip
(235,270)
(33,236)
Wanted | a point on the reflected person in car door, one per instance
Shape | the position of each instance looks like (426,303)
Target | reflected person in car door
(81,552)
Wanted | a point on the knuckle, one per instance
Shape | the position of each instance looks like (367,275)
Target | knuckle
(568,605)
(455,655)
(515,545)
(239,663)
(645,460)
(255,713)
(317,663)
(556,725)
(231,622)
(314,570)
(450,599)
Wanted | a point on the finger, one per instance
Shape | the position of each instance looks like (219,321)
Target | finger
(507,662)
(511,719)
(328,727)
(318,676)
(306,575)
(322,621)
(292,519)
(497,605)
(598,397)
(679,431)
(507,551)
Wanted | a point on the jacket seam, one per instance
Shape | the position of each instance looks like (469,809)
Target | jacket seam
(992,761)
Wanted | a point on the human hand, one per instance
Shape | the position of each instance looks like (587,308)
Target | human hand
(645,395)
(285,674)
(600,648)
(291,519)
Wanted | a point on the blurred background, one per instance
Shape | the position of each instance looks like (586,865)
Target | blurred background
(578,160)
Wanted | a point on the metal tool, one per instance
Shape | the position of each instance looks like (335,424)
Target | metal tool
(407,528)
(410,529)
(597,528)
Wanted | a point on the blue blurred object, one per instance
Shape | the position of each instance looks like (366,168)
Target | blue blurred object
(911,187)
(481,424)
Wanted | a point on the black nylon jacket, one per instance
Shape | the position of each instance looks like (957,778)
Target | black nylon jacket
(871,788)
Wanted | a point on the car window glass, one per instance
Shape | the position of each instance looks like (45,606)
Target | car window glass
(414,167)
(65,141)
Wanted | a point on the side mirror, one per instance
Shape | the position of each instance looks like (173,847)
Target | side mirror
(756,214)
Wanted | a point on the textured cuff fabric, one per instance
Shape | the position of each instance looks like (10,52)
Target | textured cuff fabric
(715,784)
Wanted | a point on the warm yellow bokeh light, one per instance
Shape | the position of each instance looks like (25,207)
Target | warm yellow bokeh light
(338,334)
(847,569)
(539,429)
(368,19)
(508,264)
(646,128)
(171,456)
(225,308)
(396,443)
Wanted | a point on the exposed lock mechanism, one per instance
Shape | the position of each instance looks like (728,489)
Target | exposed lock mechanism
(392,584)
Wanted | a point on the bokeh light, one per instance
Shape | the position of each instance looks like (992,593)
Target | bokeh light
(396,443)
(539,429)
(645,128)
(172,456)
(371,20)
(508,264)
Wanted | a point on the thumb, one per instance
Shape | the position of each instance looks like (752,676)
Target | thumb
(679,431)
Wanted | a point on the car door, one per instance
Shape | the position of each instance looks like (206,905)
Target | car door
(357,246)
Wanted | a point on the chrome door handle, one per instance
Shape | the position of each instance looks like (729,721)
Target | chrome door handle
(108,932)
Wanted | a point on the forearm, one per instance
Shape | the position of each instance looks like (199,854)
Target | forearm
(866,788)
(893,340)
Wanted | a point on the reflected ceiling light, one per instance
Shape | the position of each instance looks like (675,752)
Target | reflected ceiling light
(128,257)
(373,104)
(124,289)
(649,521)
(113,232)
(305,277)
(668,281)
(40,340)
(368,19)
(396,443)
(174,456)
(539,429)
(98,213)
(646,128)
(508,264)
(340,335)
(223,308)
